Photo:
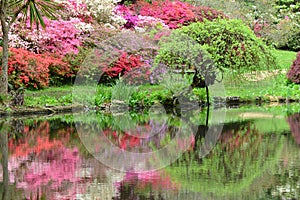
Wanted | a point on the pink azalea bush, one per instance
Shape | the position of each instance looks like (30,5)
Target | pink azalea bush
(173,13)
(60,36)
(132,20)
(17,40)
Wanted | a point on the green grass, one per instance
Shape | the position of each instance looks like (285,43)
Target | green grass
(270,87)
(144,95)
(51,91)
(285,58)
(52,96)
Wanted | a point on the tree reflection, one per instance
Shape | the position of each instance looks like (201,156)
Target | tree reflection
(230,171)
(4,129)
(294,122)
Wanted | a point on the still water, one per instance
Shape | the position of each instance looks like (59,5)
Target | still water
(254,155)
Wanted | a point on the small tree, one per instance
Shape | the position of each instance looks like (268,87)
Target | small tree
(180,52)
(10,11)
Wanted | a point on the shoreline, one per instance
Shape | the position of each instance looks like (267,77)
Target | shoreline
(218,102)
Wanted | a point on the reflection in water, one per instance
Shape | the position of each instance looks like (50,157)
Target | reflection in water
(4,159)
(144,144)
(294,122)
(39,164)
(147,185)
(45,159)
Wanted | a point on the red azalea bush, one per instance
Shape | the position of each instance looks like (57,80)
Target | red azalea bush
(176,13)
(204,12)
(60,71)
(294,72)
(116,56)
(27,69)
(32,70)
(138,76)
(123,65)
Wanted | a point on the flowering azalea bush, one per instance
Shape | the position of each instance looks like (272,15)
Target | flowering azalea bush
(175,13)
(35,70)
(133,20)
(75,8)
(17,38)
(60,36)
(124,64)
(116,56)
(102,10)
(138,76)
(172,13)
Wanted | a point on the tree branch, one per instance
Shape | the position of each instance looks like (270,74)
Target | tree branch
(3,7)
(3,15)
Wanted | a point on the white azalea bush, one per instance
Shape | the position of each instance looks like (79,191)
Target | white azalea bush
(103,11)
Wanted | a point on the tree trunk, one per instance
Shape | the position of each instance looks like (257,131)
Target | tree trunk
(5,25)
(4,152)
(4,63)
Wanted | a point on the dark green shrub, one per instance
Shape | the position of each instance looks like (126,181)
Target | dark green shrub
(294,72)
(232,45)
(293,43)
(287,6)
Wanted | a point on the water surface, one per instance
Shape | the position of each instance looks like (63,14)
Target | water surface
(255,156)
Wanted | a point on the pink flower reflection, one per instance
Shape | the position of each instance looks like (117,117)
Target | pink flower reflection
(53,173)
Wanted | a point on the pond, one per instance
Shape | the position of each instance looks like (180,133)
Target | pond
(251,152)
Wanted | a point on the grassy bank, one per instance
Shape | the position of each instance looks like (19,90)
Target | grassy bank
(268,86)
